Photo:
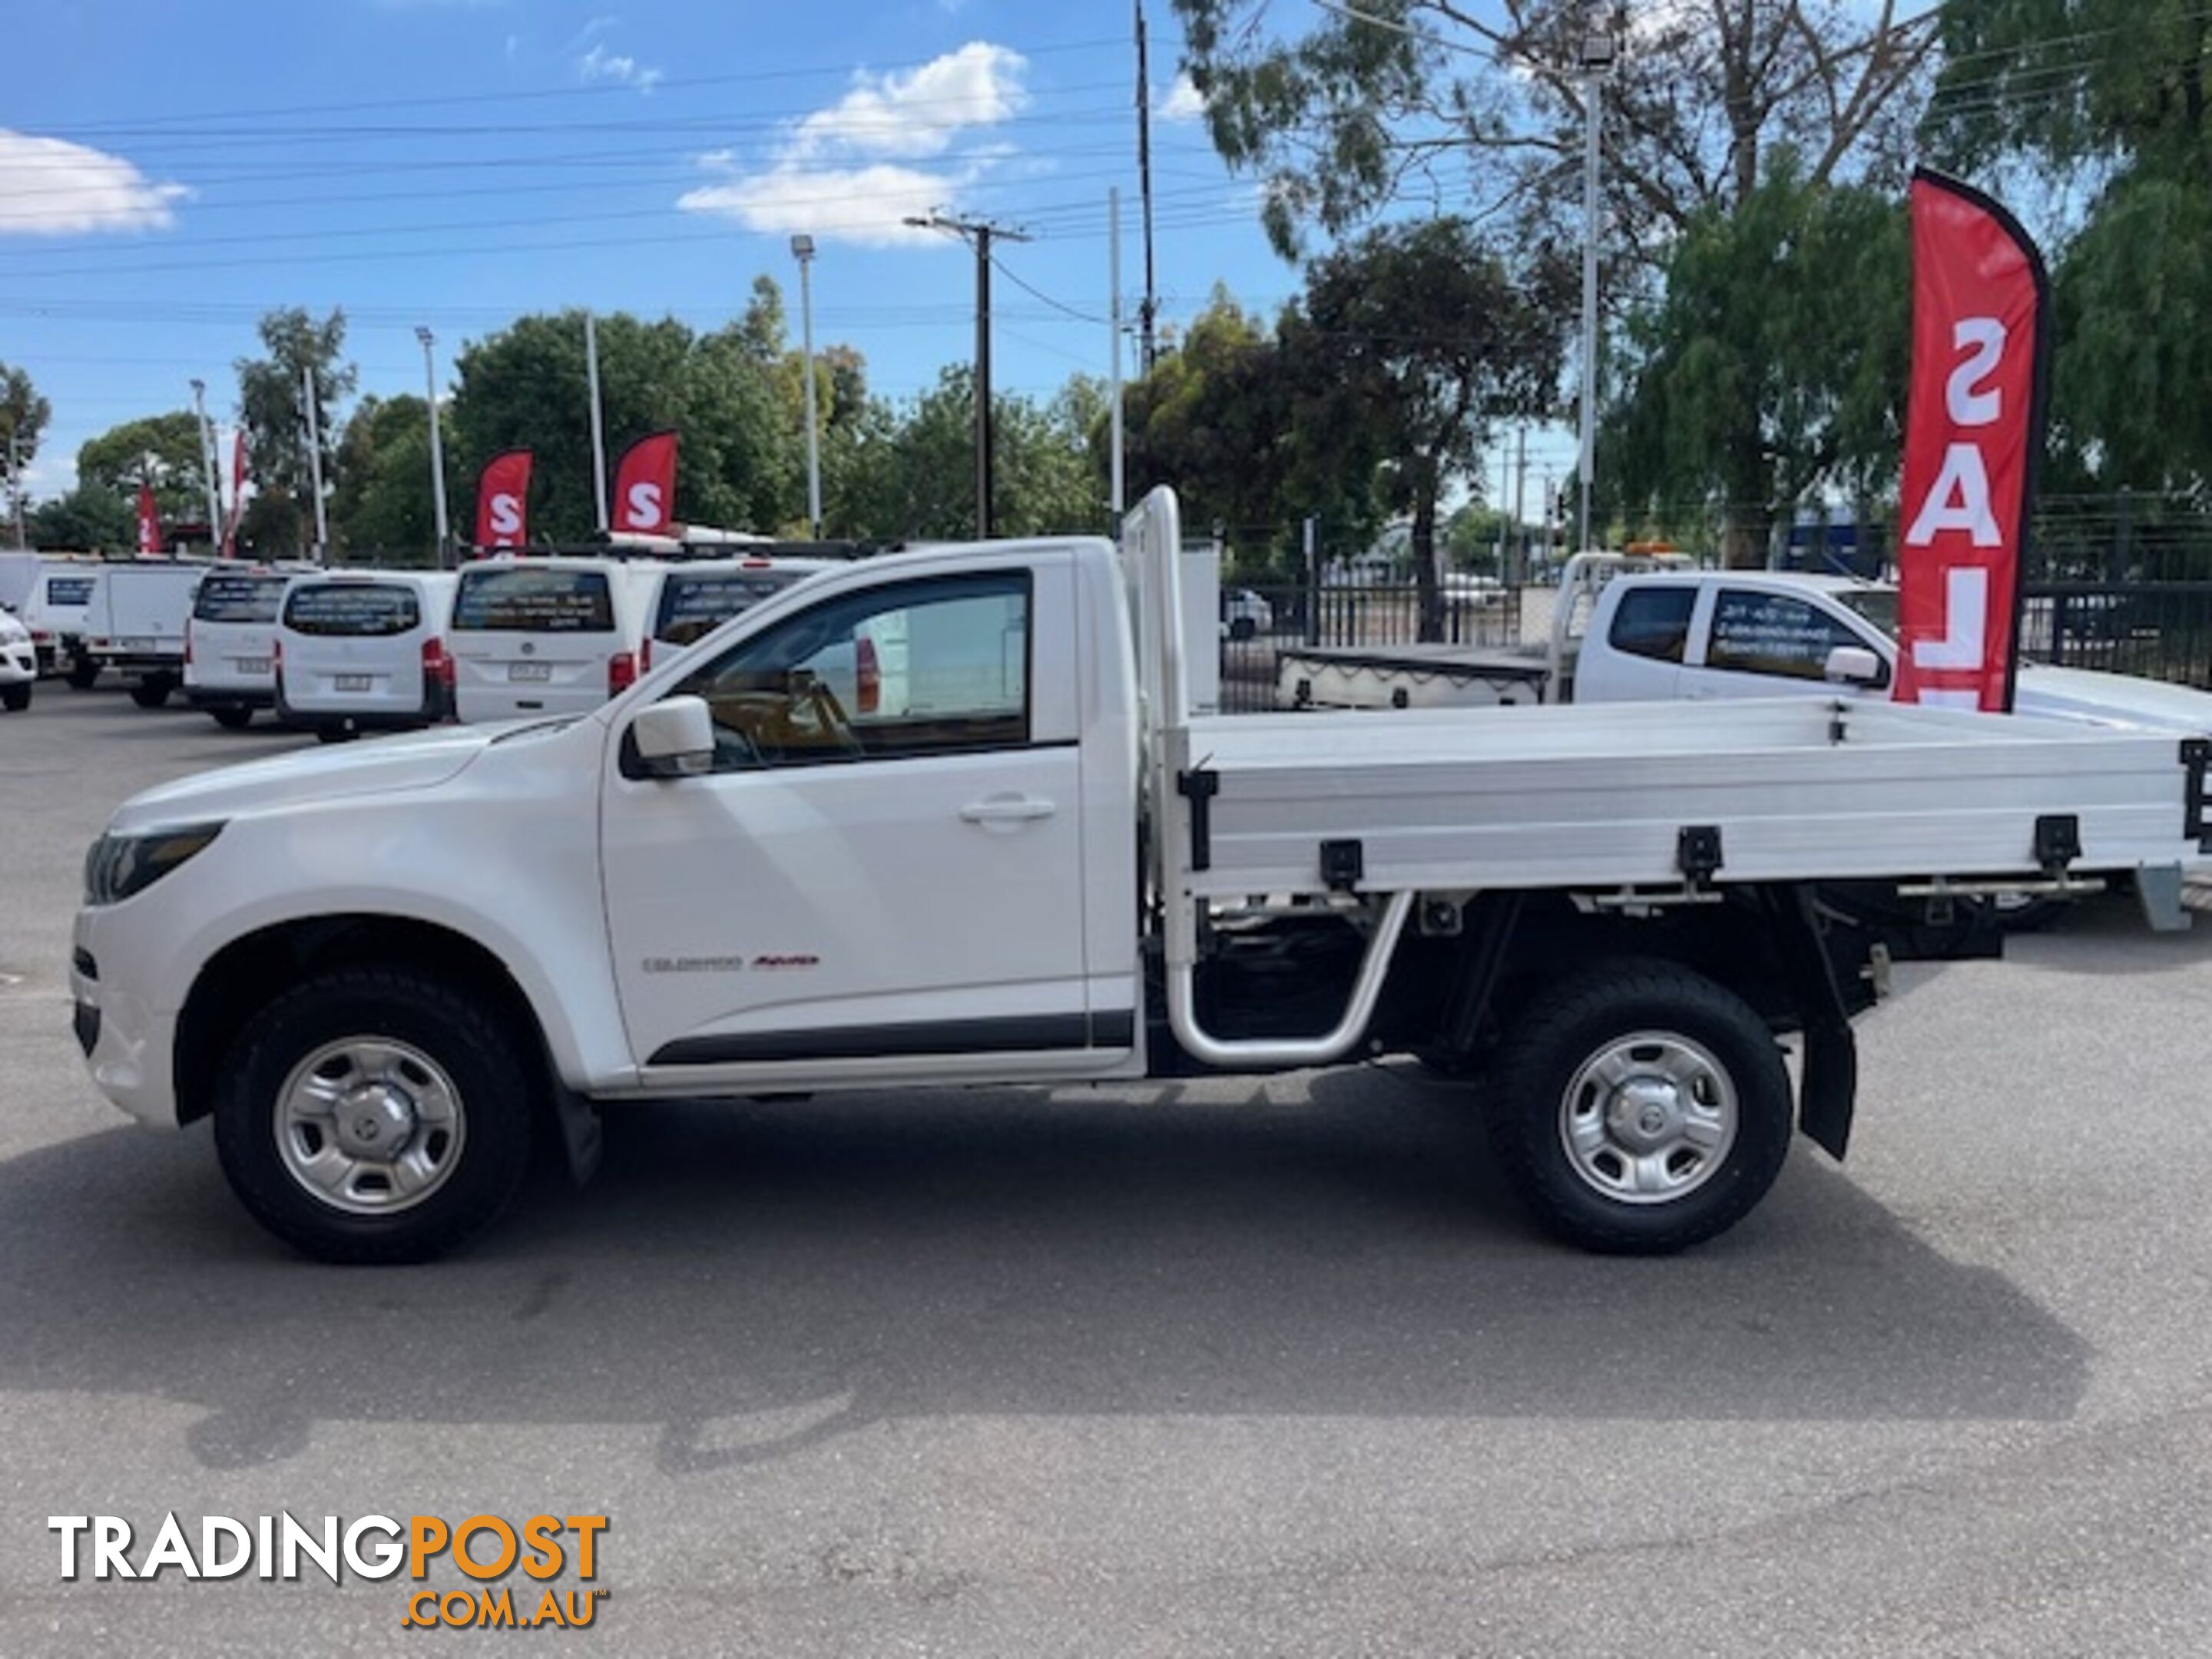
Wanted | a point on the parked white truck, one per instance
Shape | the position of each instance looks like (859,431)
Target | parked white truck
(382,971)
(1631,629)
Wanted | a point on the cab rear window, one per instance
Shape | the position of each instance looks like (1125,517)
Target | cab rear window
(362,610)
(234,598)
(694,603)
(540,599)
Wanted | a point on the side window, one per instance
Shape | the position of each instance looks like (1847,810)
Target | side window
(1772,634)
(932,667)
(1653,622)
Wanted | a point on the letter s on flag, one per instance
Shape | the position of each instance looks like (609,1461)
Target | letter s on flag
(503,499)
(645,484)
(1973,434)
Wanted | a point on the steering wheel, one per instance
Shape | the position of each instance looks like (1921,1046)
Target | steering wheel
(828,717)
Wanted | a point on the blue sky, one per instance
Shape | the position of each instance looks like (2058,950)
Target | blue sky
(167,173)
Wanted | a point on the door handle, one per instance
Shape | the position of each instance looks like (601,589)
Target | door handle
(1007,809)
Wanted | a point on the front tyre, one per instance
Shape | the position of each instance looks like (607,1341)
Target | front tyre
(15,698)
(1641,1108)
(375,1114)
(151,693)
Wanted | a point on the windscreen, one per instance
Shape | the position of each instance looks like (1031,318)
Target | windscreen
(352,610)
(1877,605)
(694,603)
(534,600)
(226,597)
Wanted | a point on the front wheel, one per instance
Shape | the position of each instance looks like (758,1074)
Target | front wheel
(150,694)
(15,698)
(375,1114)
(1642,1108)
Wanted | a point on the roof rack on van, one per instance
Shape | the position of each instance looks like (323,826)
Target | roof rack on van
(675,549)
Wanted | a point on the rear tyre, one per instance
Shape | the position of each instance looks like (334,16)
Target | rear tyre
(1641,1108)
(233,719)
(82,674)
(376,1115)
(150,694)
(15,698)
(333,734)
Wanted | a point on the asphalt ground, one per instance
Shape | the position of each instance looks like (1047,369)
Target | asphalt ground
(1216,1368)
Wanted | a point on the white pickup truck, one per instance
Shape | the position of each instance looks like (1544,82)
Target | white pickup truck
(1631,629)
(382,971)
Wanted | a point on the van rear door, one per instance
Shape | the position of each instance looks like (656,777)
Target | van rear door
(537,637)
(353,646)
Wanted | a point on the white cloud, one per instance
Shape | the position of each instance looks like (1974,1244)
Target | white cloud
(1181,102)
(50,187)
(845,174)
(600,64)
(921,112)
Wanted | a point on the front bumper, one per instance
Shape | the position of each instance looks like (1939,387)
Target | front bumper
(127,1044)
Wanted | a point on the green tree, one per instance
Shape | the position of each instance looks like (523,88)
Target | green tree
(164,449)
(23,416)
(86,520)
(2107,98)
(526,387)
(382,501)
(1402,100)
(1409,343)
(273,397)
(1772,366)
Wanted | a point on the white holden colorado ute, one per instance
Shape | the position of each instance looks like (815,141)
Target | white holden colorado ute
(384,971)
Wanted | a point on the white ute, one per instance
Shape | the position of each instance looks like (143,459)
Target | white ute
(384,972)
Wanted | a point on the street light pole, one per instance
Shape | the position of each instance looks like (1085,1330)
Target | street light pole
(315,463)
(802,249)
(1599,51)
(437,448)
(206,459)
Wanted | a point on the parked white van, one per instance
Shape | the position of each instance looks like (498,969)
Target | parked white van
(690,601)
(230,641)
(548,635)
(364,651)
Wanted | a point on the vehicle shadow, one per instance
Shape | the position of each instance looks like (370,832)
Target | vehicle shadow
(756,1278)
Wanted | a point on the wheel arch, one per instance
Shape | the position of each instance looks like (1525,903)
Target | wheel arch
(241,977)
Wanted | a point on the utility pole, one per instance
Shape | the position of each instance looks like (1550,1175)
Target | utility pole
(802,249)
(315,463)
(1520,499)
(206,459)
(598,425)
(1598,49)
(437,449)
(16,488)
(1117,493)
(1148,309)
(978,234)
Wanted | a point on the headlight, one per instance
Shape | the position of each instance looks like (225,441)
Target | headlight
(119,866)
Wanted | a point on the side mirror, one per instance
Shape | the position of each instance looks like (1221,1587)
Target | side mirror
(1853,664)
(675,738)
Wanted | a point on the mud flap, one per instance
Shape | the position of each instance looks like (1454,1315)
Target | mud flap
(1828,1092)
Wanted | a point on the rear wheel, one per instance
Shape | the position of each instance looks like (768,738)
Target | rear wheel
(15,698)
(375,1114)
(233,719)
(333,734)
(151,693)
(1641,1108)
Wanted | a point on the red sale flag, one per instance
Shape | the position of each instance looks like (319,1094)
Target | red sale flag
(503,499)
(1973,434)
(149,520)
(237,493)
(645,485)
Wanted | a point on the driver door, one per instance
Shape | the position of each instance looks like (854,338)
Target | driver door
(882,875)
